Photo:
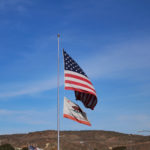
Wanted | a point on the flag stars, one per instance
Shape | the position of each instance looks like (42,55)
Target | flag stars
(71,65)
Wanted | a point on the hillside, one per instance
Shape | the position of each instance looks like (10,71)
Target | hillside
(78,140)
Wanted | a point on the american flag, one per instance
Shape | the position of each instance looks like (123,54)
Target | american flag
(31,148)
(77,80)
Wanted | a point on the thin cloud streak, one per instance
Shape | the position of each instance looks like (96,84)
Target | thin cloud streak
(120,60)
(139,120)
(32,117)
(19,5)
(33,88)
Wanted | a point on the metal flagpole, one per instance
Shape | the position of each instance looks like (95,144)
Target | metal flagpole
(58,36)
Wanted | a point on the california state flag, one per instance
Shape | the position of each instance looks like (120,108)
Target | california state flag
(74,112)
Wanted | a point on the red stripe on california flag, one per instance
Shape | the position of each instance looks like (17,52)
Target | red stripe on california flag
(79,90)
(80,84)
(80,121)
(78,77)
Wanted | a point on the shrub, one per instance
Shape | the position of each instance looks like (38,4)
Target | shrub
(6,147)
(119,148)
(25,148)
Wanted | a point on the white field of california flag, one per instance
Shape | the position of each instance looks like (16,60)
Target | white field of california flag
(74,112)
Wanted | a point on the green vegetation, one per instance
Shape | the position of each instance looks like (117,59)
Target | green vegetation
(25,148)
(6,147)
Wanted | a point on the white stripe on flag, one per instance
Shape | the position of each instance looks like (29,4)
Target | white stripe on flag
(75,73)
(79,81)
(79,87)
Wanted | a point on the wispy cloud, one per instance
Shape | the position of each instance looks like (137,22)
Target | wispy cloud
(36,63)
(27,120)
(125,60)
(11,5)
(120,60)
(138,121)
(32,117)
(31,88)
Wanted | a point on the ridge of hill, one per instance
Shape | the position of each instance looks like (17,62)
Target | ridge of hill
(78,140)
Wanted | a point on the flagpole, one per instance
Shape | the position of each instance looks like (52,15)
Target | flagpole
(58,36)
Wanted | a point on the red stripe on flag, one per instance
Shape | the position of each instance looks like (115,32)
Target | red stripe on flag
(79,90)
(80,84)
(91,103)
(78,77)
(94,104)
(88,100)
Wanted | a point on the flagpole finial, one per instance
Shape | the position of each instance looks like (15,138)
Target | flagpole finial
(58,35)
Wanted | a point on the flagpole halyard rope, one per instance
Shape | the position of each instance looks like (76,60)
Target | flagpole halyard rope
(58,136)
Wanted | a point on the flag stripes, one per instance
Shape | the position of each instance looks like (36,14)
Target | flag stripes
(77,80)
(77,75)
(88,100)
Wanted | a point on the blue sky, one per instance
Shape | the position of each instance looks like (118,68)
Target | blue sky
(109,39)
